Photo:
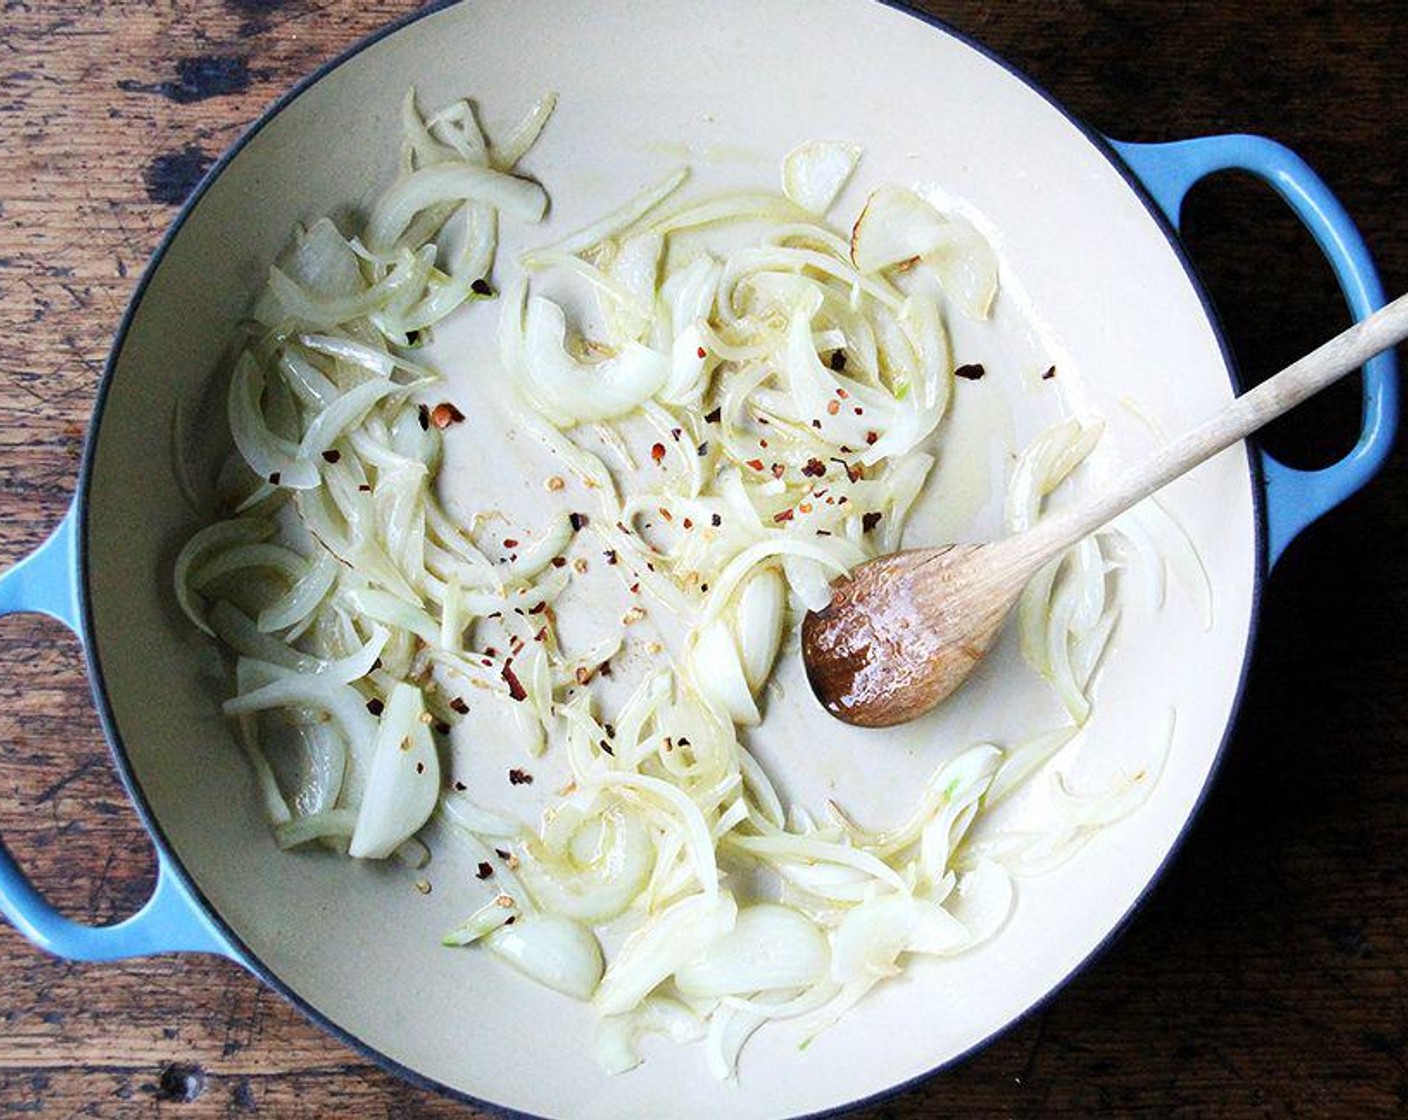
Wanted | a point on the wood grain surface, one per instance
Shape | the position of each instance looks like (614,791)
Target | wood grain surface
(1266,976)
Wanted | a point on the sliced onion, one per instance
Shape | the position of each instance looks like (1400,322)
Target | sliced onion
(718,674)
(871,937)
(615,1045)
(480,821)
(761,606)
(269,456)
(342,702)
(402,782)
(332,824)
(983,901)
(770,948)
(493,915)
(450,182)
(896,226)
(601,886)
(660,947)
(553,950)
(570,392)
(216,538)
(506,154)
(813,174)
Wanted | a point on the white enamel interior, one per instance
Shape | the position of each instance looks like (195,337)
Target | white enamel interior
(1091,284)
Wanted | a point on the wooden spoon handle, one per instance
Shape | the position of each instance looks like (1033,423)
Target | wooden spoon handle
(1252,410)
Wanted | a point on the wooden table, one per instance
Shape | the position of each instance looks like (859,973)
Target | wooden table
(1266,977)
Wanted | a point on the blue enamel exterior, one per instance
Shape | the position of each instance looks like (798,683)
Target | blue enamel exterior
(46,582)
(1294,498)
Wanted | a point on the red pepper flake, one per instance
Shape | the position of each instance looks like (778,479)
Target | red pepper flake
(702,352)
(657,452)
(778,470)
(509,542)
(1049,374)
(481,288)
(485,870)
(712,416)
(816,424)
(814,468)
(445,414)
(871,437)
(854,473)
(578,521)
(805,507)
(837,361)
(971,372)
(756,464)
(675,434)
(519,777)
(785,515)
(515,687)
(458,706)
(604,669)
(868,521)
(274,478)
(635,589)
(559,561)
(610,555)
(763,444)
(703,449)
(687,523)
(583,675)
(331,455)
(423,415)
(665,513)
(842,500)
(503,854)
(858,410)
(537,608)
(842,394)
(833,407)
(365,488)
(541,635)
(375,706)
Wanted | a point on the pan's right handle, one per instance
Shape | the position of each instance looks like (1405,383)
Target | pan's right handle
(1294,498)
(46,582)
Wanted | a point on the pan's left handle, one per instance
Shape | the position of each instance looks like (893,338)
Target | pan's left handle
(172,920)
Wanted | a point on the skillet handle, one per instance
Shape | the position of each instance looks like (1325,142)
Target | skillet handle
(1294,498)
(46,582)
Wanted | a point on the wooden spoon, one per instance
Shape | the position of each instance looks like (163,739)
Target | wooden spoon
(903,631)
